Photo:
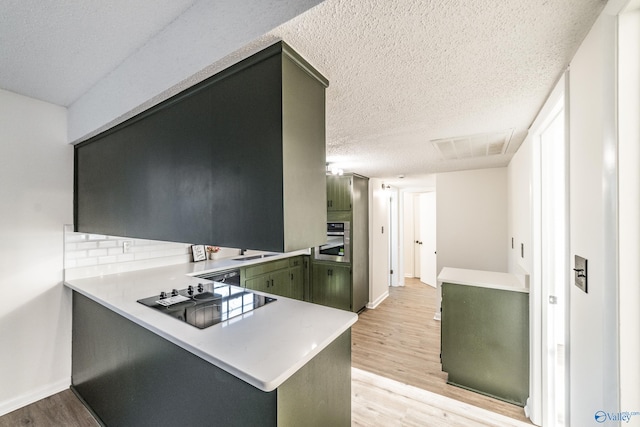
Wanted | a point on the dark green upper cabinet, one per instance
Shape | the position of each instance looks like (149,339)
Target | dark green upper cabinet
(237,160)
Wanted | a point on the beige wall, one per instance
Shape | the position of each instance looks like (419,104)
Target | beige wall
(471,210)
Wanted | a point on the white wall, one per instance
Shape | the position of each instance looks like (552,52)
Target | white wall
(36,199)
(378,243)
(471,210)
(593,335)
(519,185)
(629,187)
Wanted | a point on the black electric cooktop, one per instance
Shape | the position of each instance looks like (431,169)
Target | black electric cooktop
(206,304)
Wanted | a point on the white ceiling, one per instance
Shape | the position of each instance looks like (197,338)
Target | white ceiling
(402,72)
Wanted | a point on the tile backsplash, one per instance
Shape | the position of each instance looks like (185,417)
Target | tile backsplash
(88,255)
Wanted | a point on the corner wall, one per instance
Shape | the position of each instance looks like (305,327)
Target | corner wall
(471,207)
(36,199)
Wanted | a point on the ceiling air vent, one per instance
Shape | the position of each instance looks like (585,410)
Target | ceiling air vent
(481,145)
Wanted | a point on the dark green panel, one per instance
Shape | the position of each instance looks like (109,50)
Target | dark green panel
(130,376)
(319,394)
(211,164)
(247,197)
(485,340)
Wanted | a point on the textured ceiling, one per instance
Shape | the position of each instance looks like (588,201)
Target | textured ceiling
(405,72)
(402,72)
(56,51)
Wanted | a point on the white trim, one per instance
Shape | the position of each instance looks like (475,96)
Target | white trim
(33,396)
(373,305)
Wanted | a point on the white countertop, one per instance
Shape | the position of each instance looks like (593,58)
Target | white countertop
(485,279)
(263,347)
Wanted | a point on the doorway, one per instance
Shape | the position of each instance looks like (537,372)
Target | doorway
(419,236)
(551,265)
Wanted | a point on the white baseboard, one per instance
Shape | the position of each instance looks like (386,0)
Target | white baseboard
(378,301)
(33,396)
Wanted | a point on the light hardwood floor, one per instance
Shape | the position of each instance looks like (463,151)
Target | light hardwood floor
(400,340)
(378,401)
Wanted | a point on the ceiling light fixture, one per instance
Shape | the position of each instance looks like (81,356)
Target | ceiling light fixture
(334,170)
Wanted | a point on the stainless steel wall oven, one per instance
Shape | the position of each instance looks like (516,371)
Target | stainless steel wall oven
(338,246)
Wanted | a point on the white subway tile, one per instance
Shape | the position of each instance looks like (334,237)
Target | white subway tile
(88,245)
(107,244)
(115,251)
(70,263)
(126,257)
(75,237)
(107,259)
(145,255)
(98,252)
(86,262)
(70,247)
(97,237)
(75,254)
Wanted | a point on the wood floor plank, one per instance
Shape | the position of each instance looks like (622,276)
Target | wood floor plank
(377,400)
(63,409)
(400,340)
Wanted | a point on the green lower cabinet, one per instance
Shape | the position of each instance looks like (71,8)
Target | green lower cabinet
(277,283)
(260,283)
(485,340)
(283,277)
(331,285)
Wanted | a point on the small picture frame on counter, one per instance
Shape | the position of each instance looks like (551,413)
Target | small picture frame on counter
(198,252)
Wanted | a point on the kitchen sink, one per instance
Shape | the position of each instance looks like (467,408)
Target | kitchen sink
(249,258)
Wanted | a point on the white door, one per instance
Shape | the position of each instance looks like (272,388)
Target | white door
(554,268)
(427,243)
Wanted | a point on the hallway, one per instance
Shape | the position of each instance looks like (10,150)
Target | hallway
(401,341)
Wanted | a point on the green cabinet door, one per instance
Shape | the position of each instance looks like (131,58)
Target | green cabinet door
(259,283)
(280,283)
(297,283)
(331,285)
(338,193)
(285,277)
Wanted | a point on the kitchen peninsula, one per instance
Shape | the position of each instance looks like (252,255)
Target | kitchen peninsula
(286,363)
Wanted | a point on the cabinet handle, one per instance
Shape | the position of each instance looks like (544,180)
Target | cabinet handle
(291,276)
(267,283)
(271,282)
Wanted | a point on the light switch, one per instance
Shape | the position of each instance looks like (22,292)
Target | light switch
(580,270)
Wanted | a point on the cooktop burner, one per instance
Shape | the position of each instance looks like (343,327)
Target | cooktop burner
(207,303)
